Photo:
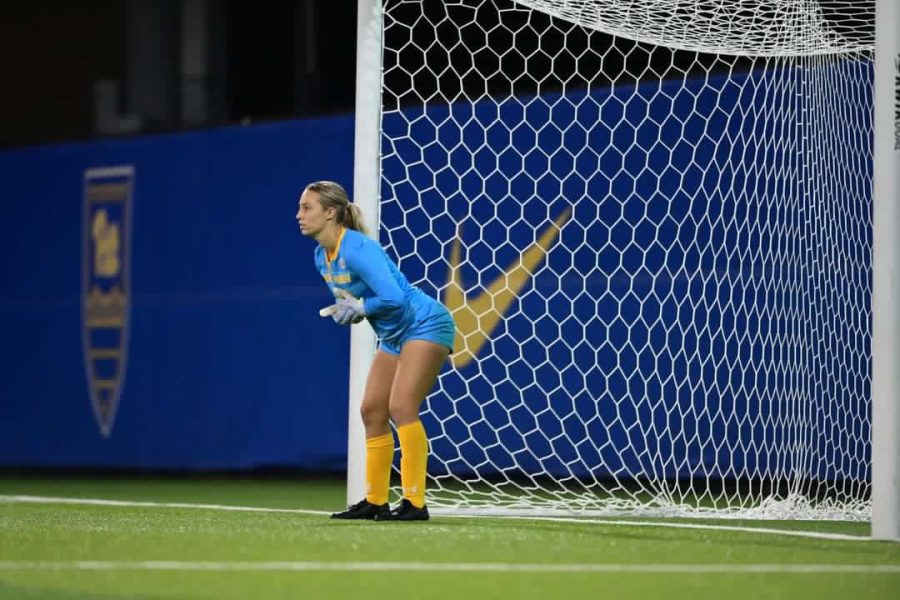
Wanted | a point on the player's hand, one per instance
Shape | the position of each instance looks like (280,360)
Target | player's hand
(349,310)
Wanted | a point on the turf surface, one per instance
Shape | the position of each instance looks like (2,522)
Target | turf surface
(54,550)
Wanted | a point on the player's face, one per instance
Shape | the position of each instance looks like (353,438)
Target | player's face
(311,216)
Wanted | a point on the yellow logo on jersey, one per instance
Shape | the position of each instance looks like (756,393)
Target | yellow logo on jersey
(343,278)
(477,318)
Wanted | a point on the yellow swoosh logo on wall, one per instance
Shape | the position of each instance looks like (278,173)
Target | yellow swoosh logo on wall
(477,318)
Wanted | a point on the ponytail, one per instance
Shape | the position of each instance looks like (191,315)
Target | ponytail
(353,219)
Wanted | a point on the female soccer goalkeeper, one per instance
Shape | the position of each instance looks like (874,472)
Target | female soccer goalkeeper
(415,334)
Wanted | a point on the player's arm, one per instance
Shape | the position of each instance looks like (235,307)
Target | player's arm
(369,263)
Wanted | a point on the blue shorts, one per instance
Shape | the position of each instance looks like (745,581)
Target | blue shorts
(435,326)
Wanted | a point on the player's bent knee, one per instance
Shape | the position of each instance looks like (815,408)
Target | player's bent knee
(373,415)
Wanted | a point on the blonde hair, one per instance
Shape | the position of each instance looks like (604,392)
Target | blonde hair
(333,195)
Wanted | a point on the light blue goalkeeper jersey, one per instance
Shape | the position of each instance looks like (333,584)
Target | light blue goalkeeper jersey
(362,267)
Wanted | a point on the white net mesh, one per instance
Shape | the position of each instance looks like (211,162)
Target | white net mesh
(734,27)
(652,223)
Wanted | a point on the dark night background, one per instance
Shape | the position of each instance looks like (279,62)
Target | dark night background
(269,59)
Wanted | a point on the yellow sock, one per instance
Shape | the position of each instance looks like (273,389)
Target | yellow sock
(379,455)
(413,461)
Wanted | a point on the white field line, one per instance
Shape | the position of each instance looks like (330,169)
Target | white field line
(134,503)
(821,535)
(21,499)
(171,565)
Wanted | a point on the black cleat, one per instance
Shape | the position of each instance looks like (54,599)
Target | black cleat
(364,510)
(406,512)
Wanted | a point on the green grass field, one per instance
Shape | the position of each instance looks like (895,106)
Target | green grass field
(75,550)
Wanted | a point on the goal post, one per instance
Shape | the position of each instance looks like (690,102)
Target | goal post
(366,177)
(886,277)
(653,224)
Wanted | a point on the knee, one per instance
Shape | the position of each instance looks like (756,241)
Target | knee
(373,415)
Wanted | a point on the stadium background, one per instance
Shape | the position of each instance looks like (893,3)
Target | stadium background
(222,110)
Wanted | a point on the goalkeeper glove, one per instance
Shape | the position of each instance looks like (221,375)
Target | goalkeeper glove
(349,310)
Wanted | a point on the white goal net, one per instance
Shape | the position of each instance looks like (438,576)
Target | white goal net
(652,221)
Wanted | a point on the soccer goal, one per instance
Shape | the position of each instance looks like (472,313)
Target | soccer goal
(652,220)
